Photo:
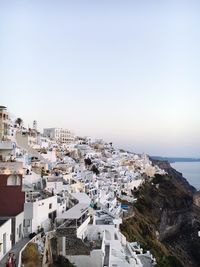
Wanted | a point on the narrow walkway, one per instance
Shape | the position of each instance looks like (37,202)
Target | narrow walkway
(107,255)
(15,249)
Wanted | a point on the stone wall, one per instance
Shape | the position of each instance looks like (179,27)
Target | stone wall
(68,231)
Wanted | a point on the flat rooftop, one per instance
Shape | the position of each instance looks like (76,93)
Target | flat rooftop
(75,212)
(82,198)
(6,145)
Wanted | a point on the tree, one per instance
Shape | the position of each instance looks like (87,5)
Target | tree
(95,169)
(63,262)
(19,121)
(88,161)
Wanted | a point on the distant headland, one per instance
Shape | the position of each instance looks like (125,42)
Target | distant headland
(175,159)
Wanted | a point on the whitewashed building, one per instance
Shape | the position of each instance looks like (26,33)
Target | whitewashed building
(39,213)
(59,134)
(5,237)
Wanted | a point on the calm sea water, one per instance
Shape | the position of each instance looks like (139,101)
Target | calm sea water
(190,170)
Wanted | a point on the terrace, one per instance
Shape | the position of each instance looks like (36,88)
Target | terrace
(8,168)
(75,220)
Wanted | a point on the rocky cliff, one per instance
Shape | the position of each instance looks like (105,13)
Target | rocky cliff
(166,219)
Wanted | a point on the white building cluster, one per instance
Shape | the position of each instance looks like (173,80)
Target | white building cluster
(73,187)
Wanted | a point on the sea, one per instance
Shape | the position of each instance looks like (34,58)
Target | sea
(190,171)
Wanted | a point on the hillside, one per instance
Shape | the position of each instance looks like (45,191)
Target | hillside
(166,221)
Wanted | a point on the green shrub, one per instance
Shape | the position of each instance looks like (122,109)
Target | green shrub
(31,256)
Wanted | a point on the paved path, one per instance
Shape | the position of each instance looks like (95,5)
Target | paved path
(107,255)
(16,249)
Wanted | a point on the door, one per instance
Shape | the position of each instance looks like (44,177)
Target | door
(20,231)
(4,243)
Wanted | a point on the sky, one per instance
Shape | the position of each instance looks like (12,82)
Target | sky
(125,71)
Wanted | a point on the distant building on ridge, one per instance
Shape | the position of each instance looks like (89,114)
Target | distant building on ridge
(59,134)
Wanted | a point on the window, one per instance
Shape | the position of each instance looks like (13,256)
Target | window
(13,180)
(50,206)
(28,223)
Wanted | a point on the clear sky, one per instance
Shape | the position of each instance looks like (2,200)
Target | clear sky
(126,71)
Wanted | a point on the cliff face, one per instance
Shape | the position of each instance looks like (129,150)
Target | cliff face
(166,220)
(178,178)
